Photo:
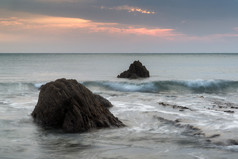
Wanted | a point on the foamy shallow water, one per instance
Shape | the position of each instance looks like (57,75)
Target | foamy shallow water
(152,129)
(166,118)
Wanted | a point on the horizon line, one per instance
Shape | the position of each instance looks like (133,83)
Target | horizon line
(118,53)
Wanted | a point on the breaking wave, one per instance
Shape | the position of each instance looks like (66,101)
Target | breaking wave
(189,86)
(194,86)
(16,87)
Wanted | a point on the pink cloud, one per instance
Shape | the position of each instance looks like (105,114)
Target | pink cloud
(130,9)
(168,34)
(59,26)
(157,32)
(63,25)
(12,21)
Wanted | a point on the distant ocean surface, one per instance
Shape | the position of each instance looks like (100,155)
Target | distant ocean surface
(187,109)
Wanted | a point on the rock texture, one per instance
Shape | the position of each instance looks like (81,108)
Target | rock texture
(68,105)
(136,70)
(104,102)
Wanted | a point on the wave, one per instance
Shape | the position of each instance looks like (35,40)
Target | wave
(194,86)
(19,86)
(176,86)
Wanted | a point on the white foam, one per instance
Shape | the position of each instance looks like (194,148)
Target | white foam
(38,85)
(232,148)
(130,87)
(200,83)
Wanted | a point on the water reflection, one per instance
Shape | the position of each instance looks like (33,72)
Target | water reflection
(55,143)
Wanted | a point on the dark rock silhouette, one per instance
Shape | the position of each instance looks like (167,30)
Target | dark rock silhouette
(70,106)
(136,70)
(181,108)
(103,101)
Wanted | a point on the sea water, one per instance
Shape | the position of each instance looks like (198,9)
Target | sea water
(188,108)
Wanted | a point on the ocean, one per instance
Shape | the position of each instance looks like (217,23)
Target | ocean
(187,109)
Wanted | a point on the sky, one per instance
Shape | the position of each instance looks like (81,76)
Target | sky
(118,26)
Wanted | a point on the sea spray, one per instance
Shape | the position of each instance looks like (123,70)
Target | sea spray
(194,86)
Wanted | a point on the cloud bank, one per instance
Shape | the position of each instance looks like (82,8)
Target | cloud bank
(124,26)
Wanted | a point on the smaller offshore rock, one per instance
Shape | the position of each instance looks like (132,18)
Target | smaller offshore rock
(136,70)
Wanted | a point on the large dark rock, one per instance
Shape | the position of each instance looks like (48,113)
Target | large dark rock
(136,70)
(104,102)
(68,105)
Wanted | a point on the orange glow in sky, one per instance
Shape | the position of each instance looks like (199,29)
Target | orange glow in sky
(62,24)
